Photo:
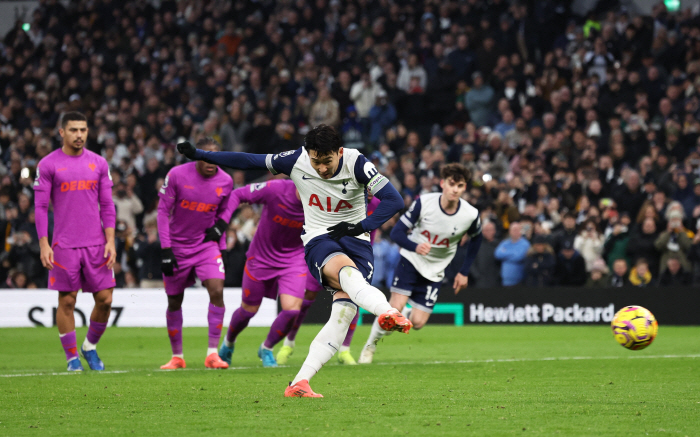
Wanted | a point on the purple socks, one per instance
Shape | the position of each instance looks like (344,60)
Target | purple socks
(174,322)
(70,345)
(351,329)
(305,305)
(280,327)
(216,322)
(95,331)
(239,321)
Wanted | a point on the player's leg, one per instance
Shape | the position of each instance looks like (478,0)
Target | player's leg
(253,291)
(97,327)
(312,288)
(173,320)
(344,356)
(405,279)
(215,320)
(98,279)
(66,276)
(175,286)
(290,340)
(397,301)
(65,321)
(209,267)
(324,346)
(291,285)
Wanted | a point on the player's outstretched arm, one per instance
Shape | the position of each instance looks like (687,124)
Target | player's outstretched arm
(237,160)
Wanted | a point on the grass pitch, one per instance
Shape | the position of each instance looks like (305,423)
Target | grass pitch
(473,380)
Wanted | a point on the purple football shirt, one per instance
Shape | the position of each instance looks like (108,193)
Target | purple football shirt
(80,188)
(277,242)
(189,204)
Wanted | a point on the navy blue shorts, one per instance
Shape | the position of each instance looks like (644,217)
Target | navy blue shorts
(422,293)
(321,249)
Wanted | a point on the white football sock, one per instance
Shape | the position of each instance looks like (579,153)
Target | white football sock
(376,334)
(87,346)
(229,344)
(290,343)
(263,346)
(181,356)
(328,340)
(370,298)
(344,348)
(211,350)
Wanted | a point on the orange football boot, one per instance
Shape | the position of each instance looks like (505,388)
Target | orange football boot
(300,390)
(174,363)
(393,320)
(213,361)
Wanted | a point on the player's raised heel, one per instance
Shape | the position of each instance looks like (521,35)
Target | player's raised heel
(267,357)
(300,390)
(344,357)
(75,365)
(214,362)
(393,320)
(367,355)
(174,363)
(225,353)
(92,359)
(284,353)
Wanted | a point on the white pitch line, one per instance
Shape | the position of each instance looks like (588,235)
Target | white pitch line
(494,360)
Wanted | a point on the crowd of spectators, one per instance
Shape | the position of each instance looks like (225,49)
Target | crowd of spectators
(581,132)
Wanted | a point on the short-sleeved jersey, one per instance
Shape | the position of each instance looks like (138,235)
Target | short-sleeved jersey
(277,242)
(195,203)
(329,201)
(74,184)
(443,231)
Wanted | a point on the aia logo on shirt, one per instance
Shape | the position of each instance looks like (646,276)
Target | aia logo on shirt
(434,239)
(314,200)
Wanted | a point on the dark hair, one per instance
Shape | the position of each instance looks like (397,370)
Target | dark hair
(456,171)
(323,139)
(72,116)
(205,141)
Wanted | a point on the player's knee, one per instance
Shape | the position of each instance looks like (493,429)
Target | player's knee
(67,305)
(418,325)
(216,294)
(250,308)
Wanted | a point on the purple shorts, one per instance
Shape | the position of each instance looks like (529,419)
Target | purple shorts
(261,281)
(205,264)
(80,268)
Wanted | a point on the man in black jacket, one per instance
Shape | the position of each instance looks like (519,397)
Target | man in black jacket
(571,268)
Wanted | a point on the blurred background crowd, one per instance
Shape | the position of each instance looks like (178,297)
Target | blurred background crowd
(581,132)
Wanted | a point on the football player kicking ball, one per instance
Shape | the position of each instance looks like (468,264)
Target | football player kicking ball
(193,215)
(331,182)
(438,222)
(312,289)
(82,253)
(275,265)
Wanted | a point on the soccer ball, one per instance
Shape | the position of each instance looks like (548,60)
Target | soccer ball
(634,327)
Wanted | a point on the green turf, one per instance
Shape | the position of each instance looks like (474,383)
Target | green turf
(473,380)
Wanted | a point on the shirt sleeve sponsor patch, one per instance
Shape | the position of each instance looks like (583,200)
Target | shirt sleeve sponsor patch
(163,187)
(256,187)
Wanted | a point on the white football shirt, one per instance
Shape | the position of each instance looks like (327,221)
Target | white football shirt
(429,222)
(329,201)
